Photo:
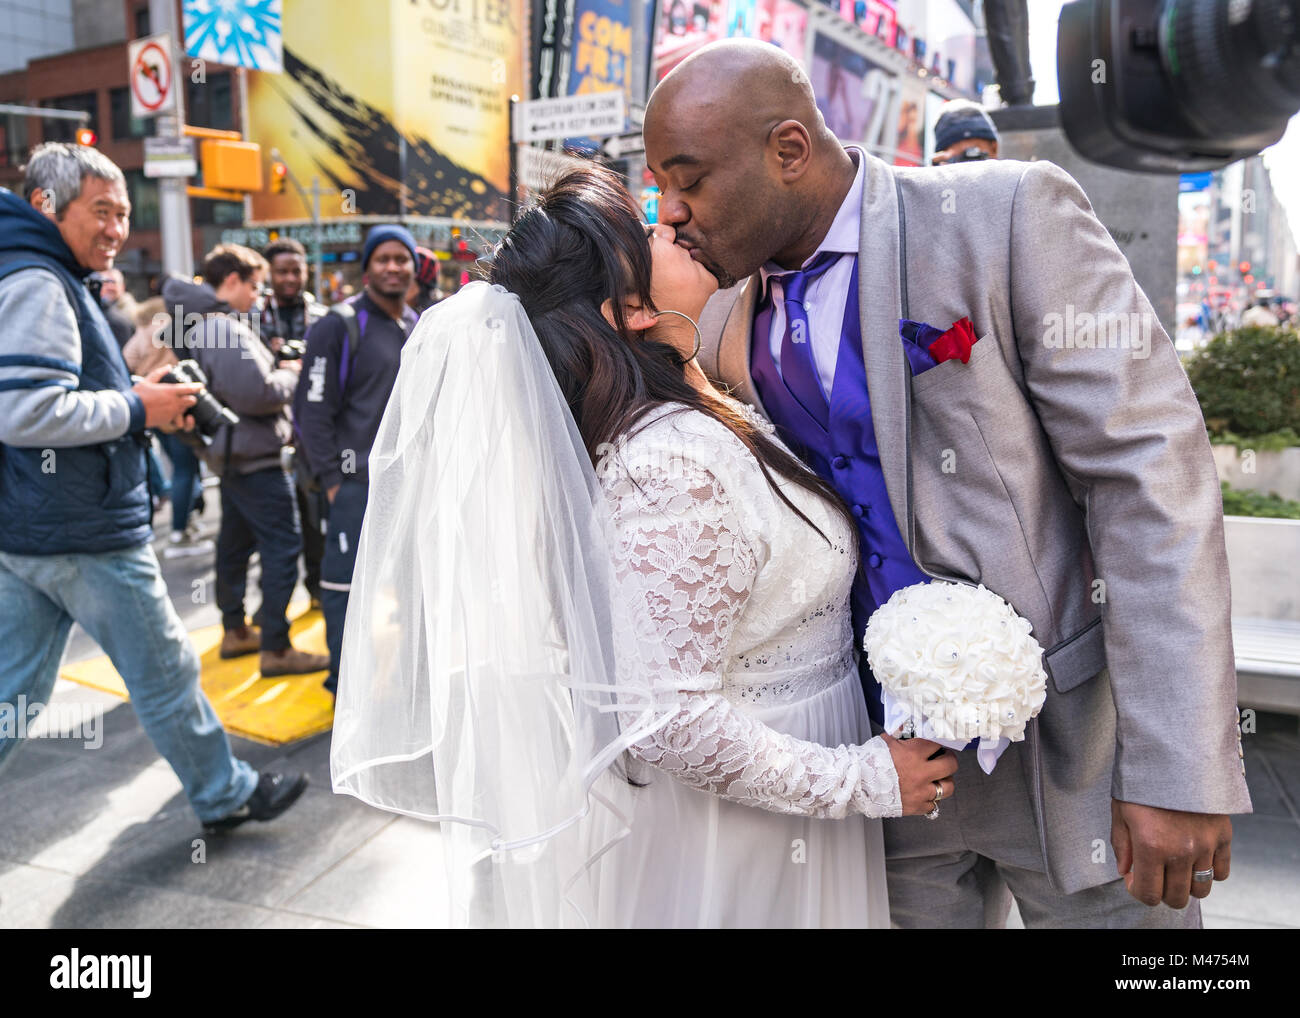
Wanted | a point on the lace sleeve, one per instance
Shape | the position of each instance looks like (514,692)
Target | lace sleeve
(684,559)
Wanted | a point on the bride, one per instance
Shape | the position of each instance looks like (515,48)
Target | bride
(600,623)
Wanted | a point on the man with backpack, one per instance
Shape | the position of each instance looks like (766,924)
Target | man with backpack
(353,354)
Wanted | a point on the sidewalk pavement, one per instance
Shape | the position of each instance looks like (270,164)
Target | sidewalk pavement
(103,838)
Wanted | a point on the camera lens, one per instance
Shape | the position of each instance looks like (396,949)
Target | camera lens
(208,413)
(1234,64)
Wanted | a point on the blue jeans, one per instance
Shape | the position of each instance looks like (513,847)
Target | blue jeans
(120,599)
(185,482)
(258,510)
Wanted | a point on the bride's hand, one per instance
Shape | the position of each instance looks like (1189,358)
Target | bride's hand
(917,773)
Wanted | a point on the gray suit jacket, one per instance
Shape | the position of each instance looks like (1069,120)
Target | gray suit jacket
(1074,480)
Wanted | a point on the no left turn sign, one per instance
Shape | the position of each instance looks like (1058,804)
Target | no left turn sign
(152,75)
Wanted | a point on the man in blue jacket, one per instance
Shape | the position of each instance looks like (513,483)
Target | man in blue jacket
(75,511)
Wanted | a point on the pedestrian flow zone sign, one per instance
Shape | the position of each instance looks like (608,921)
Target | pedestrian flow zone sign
(597,114)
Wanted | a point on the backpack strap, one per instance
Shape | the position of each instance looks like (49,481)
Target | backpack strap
(355,323)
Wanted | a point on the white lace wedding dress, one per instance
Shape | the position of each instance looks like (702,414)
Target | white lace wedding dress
(763,795)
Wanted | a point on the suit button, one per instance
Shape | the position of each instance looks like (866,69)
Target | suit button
(859,511)
(874,560)
(839,462)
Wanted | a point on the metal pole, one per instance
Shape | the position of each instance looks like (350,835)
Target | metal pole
(513,196)
(173,202)
(316,237)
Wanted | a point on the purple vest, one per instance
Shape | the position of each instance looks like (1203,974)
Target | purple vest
(844,453)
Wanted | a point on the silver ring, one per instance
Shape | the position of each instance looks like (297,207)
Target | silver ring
(938,793)
(933,814)
(1203,876)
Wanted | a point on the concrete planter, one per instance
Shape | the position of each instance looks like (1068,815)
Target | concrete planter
(1264,560)
(1277,472)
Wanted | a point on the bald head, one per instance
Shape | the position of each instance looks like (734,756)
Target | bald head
(747,168)
(742,85)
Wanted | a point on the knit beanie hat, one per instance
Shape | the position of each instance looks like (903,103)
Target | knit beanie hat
(383,232)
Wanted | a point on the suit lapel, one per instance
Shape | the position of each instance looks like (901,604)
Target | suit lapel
(733,349)
(880,308)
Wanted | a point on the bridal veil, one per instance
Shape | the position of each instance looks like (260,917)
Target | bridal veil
(490,678)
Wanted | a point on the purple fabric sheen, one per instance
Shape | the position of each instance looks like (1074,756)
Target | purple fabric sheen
(917,337)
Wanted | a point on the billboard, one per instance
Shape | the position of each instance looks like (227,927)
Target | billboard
(406,110)
(853,95)
(686,26)
(239,33)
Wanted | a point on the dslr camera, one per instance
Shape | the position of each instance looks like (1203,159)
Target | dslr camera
(208,413)
(291,350)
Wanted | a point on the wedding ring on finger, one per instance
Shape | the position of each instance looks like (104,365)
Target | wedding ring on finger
(1203,876)
(933,814)
(938,793)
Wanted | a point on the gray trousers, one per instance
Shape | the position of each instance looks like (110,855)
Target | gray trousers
(962,870)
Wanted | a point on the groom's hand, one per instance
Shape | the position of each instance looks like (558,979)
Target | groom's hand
(1157,851)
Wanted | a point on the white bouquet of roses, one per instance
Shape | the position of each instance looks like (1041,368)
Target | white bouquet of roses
(957,662)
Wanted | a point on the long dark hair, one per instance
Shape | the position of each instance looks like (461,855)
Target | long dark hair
(580,244)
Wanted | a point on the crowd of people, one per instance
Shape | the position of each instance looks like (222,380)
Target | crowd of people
(100,426)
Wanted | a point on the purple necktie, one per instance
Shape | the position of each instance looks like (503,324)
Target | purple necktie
(798,369)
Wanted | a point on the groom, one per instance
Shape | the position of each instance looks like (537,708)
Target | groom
(1061,460)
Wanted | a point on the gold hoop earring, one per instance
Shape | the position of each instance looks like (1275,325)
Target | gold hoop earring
(699,339)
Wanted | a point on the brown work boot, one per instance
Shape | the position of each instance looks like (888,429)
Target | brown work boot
(240,641)
(292,661)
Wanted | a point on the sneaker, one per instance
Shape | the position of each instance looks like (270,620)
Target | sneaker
(274,794)
(184,543)
(292,661)
(240,641)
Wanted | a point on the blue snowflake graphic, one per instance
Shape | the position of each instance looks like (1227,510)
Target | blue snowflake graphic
(240,33)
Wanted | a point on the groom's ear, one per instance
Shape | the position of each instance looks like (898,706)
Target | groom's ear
(793,147)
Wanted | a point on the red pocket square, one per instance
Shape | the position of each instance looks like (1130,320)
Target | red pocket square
(955,343)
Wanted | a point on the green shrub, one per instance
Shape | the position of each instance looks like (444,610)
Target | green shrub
(1274,441)
(1248,380)
(1251,503)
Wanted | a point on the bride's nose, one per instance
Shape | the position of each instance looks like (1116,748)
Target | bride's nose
(664,232)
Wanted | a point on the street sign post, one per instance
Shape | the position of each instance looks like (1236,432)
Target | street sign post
(575,116)
(154,89)
(153,76)
(621,146)
(169,157)
(539,168)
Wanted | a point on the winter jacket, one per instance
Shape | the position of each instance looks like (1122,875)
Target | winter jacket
(73,466)
(241,375)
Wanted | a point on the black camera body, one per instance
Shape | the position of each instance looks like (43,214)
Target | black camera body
(208,413)
(292,350)
(1177,86)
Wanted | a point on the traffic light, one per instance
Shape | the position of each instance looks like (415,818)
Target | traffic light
(279,172)
(85,136)
(1244,267)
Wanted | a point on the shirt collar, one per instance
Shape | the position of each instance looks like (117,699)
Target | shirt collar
(844,236)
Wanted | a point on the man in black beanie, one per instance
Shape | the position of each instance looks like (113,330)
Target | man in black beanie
(351,363)
(963,133)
